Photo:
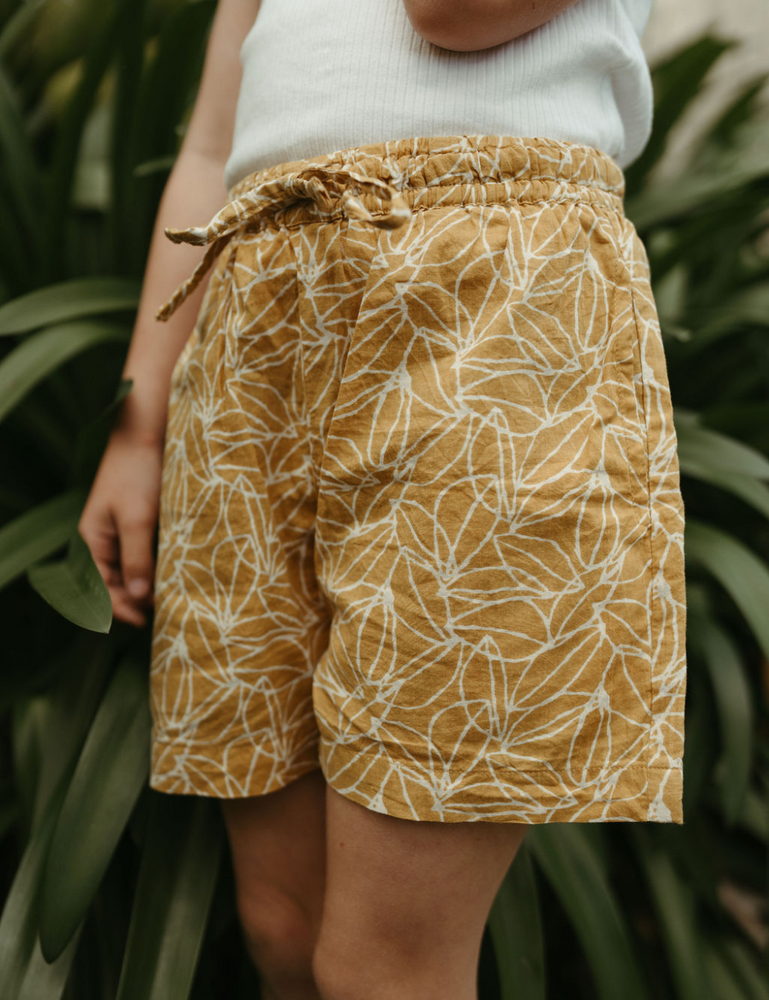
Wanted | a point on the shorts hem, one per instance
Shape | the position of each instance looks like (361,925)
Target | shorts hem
(642,793)
(195,770)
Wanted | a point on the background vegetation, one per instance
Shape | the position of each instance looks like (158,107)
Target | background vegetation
(113,891)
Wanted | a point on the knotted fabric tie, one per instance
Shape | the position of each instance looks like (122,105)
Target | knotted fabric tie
(330,187)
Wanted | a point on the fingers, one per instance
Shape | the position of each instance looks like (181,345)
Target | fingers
(136,559)
(105,538)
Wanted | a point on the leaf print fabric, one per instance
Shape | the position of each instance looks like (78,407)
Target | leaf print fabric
(421,521)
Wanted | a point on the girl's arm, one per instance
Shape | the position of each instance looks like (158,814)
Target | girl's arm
(468,25)
(194,192)
(121,511)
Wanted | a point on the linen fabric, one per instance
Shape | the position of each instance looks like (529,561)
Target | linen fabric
(421,522)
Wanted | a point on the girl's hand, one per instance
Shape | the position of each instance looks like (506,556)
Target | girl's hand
(118,522)
(119,518)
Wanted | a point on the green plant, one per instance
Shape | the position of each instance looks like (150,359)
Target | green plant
(115,891)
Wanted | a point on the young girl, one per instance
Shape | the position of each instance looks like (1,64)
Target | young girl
(419,579)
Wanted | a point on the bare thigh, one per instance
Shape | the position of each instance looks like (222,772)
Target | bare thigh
(278,849)
(406,902)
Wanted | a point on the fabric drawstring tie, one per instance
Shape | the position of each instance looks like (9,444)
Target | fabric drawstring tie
(331,188)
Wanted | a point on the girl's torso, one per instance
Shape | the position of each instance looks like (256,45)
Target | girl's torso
(323,76)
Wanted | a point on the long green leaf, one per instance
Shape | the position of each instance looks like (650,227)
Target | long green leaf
(48,729)
(18,25)
(675,905)
(93,438)
(82,672)
(570,862)
(67,142)
(732,698)
(121,211)
(725,982)
(68,300)
(178,874)
(109,775)
(48,980)
(42,353)
(745,306)
(21,173)
(15,273)
(739,570)
(667,202)
(40,419)
(691,847)
(28,717)
(18,923)
(75,587)
(730,972)
(755,815)
(754,972)
(54,730)
(718,459)
(677,82)
(9,815)
(701,755)
(158,165)
(38,533)
(700,448)
(516,932)
(746,488)
(747,420)
(174,72)
(754,978)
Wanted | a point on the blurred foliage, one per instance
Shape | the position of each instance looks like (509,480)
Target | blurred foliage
(113,891)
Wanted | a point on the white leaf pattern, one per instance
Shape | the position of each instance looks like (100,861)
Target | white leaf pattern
(421,520)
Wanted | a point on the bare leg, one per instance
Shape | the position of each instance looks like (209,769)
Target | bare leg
(279,855)
(406,903)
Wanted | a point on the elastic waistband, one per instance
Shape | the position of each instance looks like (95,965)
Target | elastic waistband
(476,168)
(384,183)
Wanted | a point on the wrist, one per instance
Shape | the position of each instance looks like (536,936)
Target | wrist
(139,424)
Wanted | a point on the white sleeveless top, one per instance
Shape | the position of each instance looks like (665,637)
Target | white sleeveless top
(324,75)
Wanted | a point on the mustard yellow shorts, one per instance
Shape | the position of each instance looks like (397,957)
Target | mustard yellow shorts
(421,523)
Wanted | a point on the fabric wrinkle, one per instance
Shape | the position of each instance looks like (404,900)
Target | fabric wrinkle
(421,521)
(321,185)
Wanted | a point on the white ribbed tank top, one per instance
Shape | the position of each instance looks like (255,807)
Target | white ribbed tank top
(324,75)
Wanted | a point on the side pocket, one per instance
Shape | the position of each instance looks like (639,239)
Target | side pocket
(638,284)
(667,591)
(629,367)
(653,384)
